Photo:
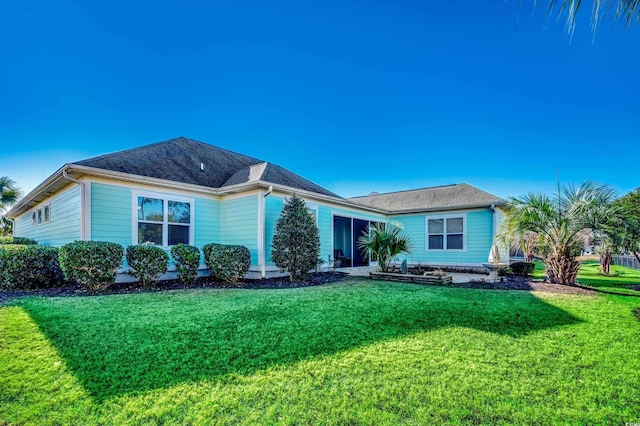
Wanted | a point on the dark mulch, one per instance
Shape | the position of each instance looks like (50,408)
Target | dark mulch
(313,279)
(507,283)
(525,283)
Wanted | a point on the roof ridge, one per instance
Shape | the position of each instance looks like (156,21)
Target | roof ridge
(410,190)
(176,139)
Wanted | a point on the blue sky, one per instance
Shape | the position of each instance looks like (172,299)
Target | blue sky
(355,96)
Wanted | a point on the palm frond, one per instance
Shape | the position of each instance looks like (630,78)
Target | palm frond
(9,192)
(627,11)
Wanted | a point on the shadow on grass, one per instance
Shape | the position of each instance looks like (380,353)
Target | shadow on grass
(119,345)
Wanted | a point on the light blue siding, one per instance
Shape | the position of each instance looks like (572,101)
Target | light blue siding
(273,209)
(64,226)
(325,226)
(239,223)
(478,228)
(111,213)
(207,222)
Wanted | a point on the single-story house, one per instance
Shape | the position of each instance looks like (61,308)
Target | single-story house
(185,191)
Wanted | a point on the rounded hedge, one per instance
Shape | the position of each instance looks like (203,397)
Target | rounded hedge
(522,268)
(27,267)
(187,260)
(227,263)
(93,264)
(146,263)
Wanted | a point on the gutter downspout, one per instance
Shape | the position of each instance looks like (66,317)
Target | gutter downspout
(494,236)
(263,216)
(493,217)
(82,201)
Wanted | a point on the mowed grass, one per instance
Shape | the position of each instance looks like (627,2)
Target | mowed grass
(357,352)
(619,278)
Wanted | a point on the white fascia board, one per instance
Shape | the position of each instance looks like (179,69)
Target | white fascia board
(444,209)
(23,204)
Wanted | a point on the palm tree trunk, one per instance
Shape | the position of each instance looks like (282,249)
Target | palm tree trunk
(605,262)
(562,270)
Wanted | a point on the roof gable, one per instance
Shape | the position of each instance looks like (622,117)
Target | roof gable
(178,159)
(436,198)
(189,161)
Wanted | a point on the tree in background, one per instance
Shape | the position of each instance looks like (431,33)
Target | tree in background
(629,235)
(9,195)
(559,222)
(296,243)
(384,243)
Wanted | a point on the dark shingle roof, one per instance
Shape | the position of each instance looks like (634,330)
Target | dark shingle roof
(439,197)
(179,160)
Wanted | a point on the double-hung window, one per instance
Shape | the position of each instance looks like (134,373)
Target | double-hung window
(446,232)
(163,220)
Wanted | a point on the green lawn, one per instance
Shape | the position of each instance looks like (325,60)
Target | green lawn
(590,275)
(358,352)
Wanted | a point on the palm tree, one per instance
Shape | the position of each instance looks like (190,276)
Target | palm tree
(6,227)
(559,221)
(9,192)
(626,10)
(384,243)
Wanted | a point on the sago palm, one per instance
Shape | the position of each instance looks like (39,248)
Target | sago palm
(559,221)
(384,242)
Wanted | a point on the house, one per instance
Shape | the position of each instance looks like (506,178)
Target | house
(185,191)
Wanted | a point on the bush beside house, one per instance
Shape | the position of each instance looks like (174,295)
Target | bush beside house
(146,263)
(186,259)
(93,264)
(29,266)
(227,262)
(17,240)
(296,243)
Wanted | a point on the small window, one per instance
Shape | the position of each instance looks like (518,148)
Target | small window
(33,219)
(445,233)
(39,216)
(47,213)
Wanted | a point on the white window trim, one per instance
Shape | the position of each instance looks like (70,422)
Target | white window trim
(44,216)
(165,223)
(462,216)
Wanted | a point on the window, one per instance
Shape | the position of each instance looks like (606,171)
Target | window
(163,221)
(313,209)
(47,213)
(33,219)
(39,216)
(445,233)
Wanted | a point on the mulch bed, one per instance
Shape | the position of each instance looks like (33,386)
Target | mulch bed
(71,290)
(527,284)
(315,279)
